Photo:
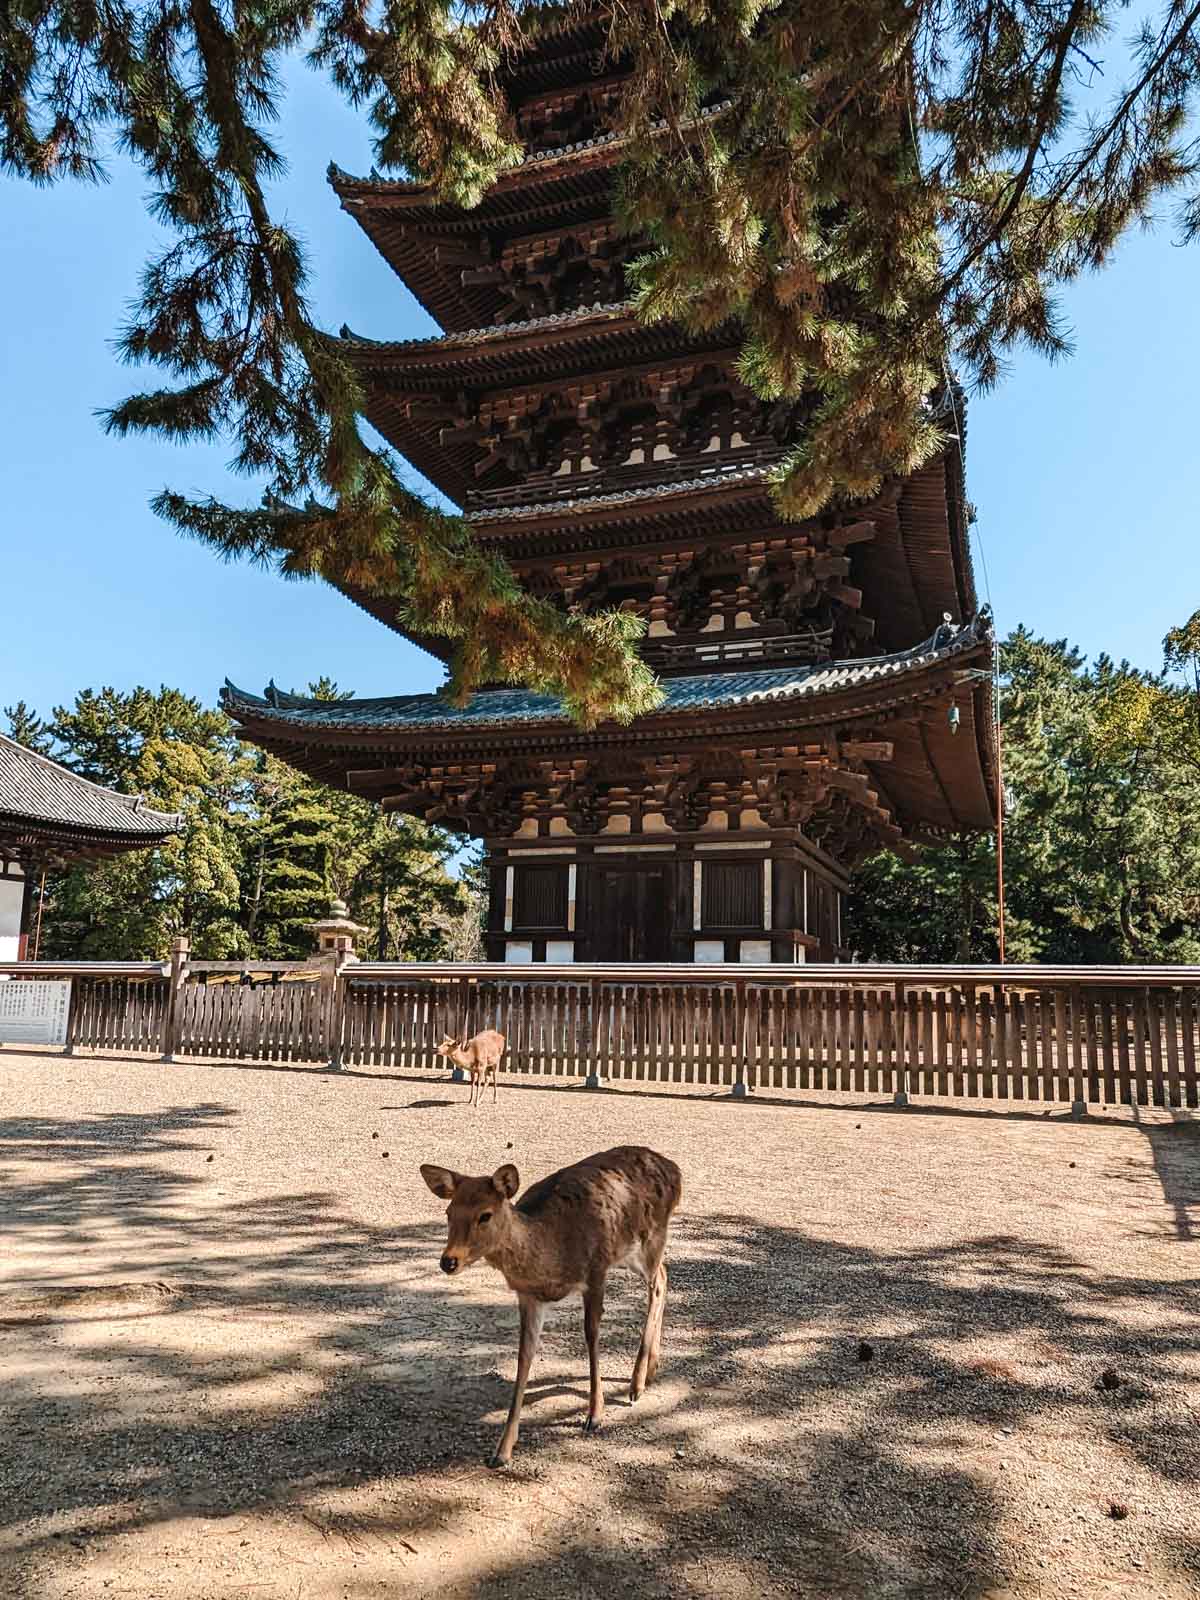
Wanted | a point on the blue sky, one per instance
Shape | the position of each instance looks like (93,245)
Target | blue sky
(1082,472)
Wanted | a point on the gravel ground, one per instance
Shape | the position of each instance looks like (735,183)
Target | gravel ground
(231,1366)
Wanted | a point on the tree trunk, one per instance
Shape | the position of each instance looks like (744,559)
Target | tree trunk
(1126,913)
(966,901)
(256,898)
(383,918)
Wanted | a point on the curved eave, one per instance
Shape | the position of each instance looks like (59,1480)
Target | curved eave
(406,225)
(388,612)
(498,345)
(536,166)
(937,782)
(915,570)
(405,222)
(20,835)
(400,382)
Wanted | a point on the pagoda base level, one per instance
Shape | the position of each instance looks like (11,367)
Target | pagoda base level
(730,900)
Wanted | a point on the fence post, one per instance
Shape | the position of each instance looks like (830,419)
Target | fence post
(741,1032)
(900,1098)
(592,1080)
(69,1047)
(173,1014)
(462,1028)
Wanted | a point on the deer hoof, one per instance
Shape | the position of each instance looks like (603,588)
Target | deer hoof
(593,1424)
(636,1390)
(500,1463)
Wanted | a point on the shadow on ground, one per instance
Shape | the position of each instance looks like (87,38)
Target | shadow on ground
(773,1460)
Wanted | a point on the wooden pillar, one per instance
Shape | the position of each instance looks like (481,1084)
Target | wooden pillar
(741,1086)
(173,1016)
(901,1035)
(592,1078)
(26,915)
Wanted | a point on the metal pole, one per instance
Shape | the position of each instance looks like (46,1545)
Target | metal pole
(999,802)
(37,929)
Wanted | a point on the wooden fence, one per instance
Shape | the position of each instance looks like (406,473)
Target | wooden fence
(1067,1035)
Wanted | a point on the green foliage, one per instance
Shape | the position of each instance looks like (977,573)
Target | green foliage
(891,186)
(181,758)
(261,853)
(28,729)
(1102,833)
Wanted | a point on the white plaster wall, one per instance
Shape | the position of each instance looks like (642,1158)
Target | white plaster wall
(12,892)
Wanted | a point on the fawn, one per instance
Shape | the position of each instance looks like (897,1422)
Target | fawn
(563,1237)
(479,1056)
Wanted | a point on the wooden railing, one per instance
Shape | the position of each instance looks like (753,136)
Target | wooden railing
(1068,1035)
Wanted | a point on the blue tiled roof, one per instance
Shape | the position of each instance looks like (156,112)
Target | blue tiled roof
(41,791)
(508,707)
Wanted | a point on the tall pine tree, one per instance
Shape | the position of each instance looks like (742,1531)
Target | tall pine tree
(1102,834)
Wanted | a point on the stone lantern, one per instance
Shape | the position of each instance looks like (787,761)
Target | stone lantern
(336,932)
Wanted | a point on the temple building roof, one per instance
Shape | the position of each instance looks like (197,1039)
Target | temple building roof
(938,778)
(917,568)
(513,707)
(433,346)
(410,226)
(45,803)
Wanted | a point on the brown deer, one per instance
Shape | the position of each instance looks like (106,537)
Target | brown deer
(563,1237)
(478,1056)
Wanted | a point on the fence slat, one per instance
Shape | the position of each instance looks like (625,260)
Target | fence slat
(1056,1036)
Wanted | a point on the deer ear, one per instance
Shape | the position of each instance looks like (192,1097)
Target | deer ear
(506,1180)
(441,1180)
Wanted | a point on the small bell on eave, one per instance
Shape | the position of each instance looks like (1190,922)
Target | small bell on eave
(954,718)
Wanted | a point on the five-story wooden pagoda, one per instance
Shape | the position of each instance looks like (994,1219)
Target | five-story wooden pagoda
(824,696)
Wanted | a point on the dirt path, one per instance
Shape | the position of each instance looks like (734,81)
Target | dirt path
(262,1387)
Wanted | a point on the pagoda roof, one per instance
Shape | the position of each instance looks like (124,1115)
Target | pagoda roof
(597,342)
(514,353)
(405,221)
(709,691)
(466,338)
(937,779)
(917,569)
(44,803)
(347,186)
(565,511)
(558,52)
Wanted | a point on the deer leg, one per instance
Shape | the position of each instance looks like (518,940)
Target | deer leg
(532,1314)
(656,1293)
(593,1310)
(496,1085)
(656,1344)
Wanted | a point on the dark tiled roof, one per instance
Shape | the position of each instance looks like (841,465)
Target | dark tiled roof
(508,707)
(720,477)
(344,183)
(498,331)
(40,791)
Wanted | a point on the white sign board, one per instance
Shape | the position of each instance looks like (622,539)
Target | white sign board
(34,1012)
